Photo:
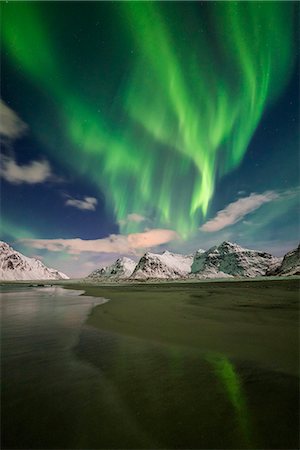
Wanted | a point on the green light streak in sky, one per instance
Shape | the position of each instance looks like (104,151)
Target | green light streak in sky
(212,128)
(24,36)
(9,229)
(190,105)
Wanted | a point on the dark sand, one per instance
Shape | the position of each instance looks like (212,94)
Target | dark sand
(213,365)
(173,365)
(256,320)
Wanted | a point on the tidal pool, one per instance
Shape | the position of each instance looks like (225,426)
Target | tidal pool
(72,383)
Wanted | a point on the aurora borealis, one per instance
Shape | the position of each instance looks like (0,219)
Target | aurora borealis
(164,112)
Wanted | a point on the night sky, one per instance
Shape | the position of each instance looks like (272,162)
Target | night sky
(129,126)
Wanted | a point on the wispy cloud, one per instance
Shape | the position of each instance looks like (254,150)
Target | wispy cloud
(87,204)
(11,126)
(32,173)
(236,211)
(115,243)
(133,217)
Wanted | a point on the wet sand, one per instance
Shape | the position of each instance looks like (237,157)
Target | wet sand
(256,320)
(204,365)
(233,349)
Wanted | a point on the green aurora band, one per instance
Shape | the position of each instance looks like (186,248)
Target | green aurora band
(189,105)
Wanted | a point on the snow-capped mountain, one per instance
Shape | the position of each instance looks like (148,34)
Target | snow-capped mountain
(227,260)
(120,269)
(165,266)
(230,260)
(290,264)
(15,266)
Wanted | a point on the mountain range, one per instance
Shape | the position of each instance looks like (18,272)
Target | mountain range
(227,260)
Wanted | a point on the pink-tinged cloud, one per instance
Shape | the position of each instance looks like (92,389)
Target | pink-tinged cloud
(115,243)
(151,238)
(237,210)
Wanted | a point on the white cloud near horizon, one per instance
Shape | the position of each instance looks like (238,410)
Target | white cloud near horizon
(31,173)
(11,126)
(115,243)
(236,211)
(87,204)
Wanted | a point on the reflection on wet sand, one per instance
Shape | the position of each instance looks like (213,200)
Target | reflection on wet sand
(181,397)
(230,380)
(90,388)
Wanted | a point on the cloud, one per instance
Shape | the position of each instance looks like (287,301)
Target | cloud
(115,243)
(88,203)
(151,238)
(237,210)
(133,217)
(11,126)
(32,173)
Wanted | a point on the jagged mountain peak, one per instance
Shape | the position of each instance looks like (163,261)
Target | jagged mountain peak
(124,260)
(16,266)
(163,266)
(231,260)
(290,264)
(227,246)
(3,245)
(231,245)
(121,268)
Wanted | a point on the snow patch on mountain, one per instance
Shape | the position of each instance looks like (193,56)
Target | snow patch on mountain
(120,269)
(162,266)
(230,260)
(16,266)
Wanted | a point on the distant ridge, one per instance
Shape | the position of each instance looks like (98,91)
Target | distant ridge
(15,266)
(121,268)
(227,260)
(231,260)
(290,264)
(167,265)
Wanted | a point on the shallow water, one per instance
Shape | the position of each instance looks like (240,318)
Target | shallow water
(68,385)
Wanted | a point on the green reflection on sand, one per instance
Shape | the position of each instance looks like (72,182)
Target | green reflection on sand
(230,380)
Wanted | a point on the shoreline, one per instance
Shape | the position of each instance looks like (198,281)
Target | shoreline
(256,321)
(250,321)
(139,283)
(198,352)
